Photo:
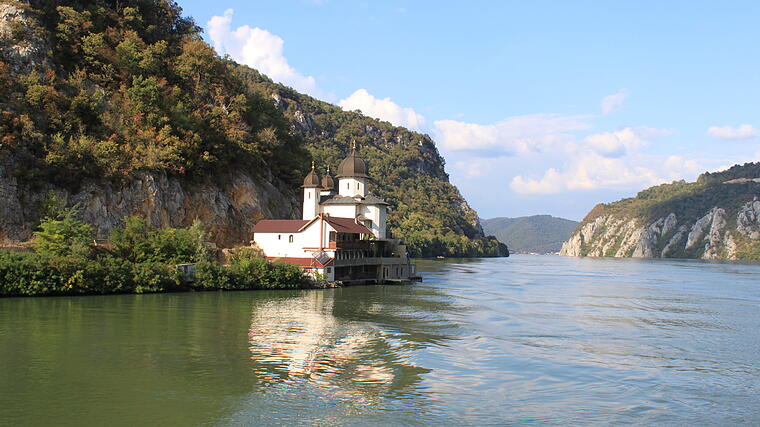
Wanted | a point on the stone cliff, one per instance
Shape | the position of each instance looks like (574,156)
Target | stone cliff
(229,205)
(711,219)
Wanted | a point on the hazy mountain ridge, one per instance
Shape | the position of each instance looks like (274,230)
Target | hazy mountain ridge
(716,217)
(530,234)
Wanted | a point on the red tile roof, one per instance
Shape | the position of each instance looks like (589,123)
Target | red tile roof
(347,225)
(279,226)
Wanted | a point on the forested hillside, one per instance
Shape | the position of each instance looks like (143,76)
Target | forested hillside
(122,108)
(716,217)
(530,234)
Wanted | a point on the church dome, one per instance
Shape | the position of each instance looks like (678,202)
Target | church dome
(352,166)
(312,179)
(328,183)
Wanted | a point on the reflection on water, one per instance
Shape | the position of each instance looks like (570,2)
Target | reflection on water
(529,339)
(300,338)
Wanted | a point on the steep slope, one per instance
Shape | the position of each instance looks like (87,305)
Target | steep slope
(716,217)
(530,234)
(427,210)
(120,107)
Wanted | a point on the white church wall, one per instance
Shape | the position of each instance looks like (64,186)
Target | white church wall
(279,244)
(341,211)
(303,244)
(376,213)
(310,203)
(352,187)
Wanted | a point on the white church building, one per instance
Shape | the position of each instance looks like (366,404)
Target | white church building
(342,233)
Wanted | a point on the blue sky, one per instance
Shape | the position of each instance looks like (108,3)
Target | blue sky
(537,106)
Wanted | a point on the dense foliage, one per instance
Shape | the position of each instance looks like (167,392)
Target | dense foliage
(530,234)
(130,85)
(141,260)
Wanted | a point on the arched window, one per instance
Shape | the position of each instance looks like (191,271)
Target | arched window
(279,237)
(290,239)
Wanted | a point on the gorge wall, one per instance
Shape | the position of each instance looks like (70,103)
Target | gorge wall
(717,217)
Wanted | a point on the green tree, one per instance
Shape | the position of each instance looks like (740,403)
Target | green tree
(64,236)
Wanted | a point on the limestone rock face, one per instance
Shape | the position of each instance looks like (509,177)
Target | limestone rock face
(228,207)
(748,220)
(711,236)
(22,48)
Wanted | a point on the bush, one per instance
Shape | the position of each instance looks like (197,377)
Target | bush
(25,274)
(138,242)
(247,271)
(64,236)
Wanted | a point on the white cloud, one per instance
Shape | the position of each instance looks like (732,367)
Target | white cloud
(383,109)
(591,171)
(259,49)
(614,102)
(620,142)
(513,135)
(728,132)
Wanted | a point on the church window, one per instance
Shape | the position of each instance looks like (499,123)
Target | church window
(279,237)
(290,239)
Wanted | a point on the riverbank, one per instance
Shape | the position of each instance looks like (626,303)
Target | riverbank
(31,274)
(65,260)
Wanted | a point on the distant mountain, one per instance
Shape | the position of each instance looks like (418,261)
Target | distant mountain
(716,217)
(537,233)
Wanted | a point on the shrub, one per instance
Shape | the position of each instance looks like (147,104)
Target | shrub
(138,242)
(64,236)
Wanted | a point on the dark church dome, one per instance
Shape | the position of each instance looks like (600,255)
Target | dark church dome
(352,167)
(328,183)
(312,179)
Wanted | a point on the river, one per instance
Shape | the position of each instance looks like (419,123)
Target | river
(527,339)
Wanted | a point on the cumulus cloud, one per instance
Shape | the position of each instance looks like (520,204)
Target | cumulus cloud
(614,102)
(620,142)
(728,132)
(383,109)
(259,49)
(514,135)
(593,168)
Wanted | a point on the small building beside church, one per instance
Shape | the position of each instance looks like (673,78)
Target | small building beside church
(342,234)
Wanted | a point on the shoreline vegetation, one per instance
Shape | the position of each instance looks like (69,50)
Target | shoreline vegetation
(66,260)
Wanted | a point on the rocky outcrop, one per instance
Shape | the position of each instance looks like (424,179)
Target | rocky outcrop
(748,220)
(21,44)
(229,206)
(712,236)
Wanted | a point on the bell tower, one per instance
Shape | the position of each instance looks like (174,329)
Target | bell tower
(352,175)
(310,194)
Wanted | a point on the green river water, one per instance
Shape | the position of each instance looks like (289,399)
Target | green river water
(528,339)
